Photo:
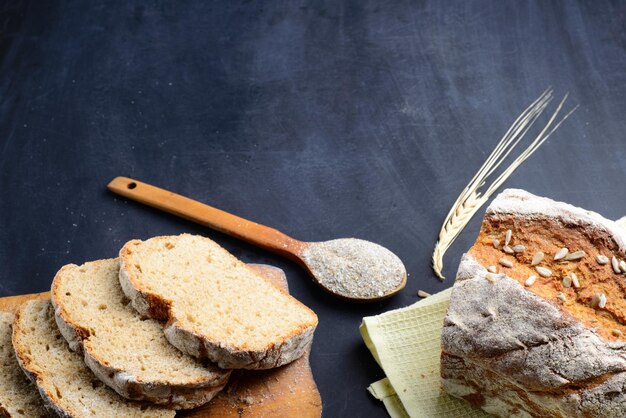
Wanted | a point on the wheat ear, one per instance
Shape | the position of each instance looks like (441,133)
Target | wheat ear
(471,198)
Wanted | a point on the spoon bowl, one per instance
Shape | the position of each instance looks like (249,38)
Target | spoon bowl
(349,268)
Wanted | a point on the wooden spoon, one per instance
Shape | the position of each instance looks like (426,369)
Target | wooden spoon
(350,268)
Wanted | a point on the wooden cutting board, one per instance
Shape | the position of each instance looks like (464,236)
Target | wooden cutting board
(287,391)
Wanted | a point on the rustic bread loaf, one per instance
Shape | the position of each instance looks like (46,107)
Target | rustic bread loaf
(537,317)
(65,383)
(215,306)
(129,354)
(18,395)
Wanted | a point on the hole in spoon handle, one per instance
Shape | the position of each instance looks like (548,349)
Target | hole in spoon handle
(184,207)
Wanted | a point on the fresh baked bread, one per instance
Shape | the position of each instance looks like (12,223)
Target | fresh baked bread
(537,320)
(129,354)
(18,396)
(215,306)
(64,382)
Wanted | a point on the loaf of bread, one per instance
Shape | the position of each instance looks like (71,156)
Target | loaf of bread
(64,381)
(537,319)
(19,397)
(130,354)
(215,306)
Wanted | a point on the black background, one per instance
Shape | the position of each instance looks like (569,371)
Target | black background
(321,119)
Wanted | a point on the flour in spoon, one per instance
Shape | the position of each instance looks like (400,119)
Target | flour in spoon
(355,268)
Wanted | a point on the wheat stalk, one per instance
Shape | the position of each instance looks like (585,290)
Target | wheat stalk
(471,198)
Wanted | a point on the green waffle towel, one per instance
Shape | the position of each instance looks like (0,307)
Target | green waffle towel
(406,344)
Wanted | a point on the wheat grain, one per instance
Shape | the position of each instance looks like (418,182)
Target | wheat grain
(471,199)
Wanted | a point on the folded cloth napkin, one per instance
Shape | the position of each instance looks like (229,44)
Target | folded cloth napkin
(406,343)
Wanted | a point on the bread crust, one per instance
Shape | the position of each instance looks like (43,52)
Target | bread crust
(292,347)
(514,353)
(50,394)
(50,399)
(167,394)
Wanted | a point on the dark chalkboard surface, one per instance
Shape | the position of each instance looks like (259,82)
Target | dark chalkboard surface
(322,119)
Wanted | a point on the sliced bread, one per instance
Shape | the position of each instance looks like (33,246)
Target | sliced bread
(130,354)
(18,395)
(64,382)
(215,306)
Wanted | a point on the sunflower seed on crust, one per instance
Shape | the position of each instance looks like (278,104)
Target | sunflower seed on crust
(576,255)
(506,263)
(617,332)
(491,278)
(496,243)
(507,249)
(492,269)
(560,254)
(602,259)
(543,271)
(615,265)
(519,248)
(507,237)
(561,296)
(598,300)
(537,258)
(531,280)
(575,281)
(423,294)
(622,266)
(567,281)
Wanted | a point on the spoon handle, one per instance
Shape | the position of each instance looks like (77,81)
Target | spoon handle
(206,215)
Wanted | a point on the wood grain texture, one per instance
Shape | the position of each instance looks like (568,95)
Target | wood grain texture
(203,214)
(288,391)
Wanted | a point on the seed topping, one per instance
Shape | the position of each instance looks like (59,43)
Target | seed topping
(567,281)
(543,271)
(506,263)
(423,294)
(599,300)
(576,255)
(507,237)
(496,243)
(492,269)
(561,296)
(575,281)
(615,265)
(531,280)
(602,259)
(519,248)
(491,278)
(561,254)
(507,249)
(622,266)
(537,258)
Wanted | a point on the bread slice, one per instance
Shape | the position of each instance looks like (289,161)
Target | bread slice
(64,382)
(215,306)
(18,395)
(128,353)
(550,346)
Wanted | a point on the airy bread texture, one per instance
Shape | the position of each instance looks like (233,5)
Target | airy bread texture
(128,353)
(215,306)
(548,348)
(63,379)
(18,395)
